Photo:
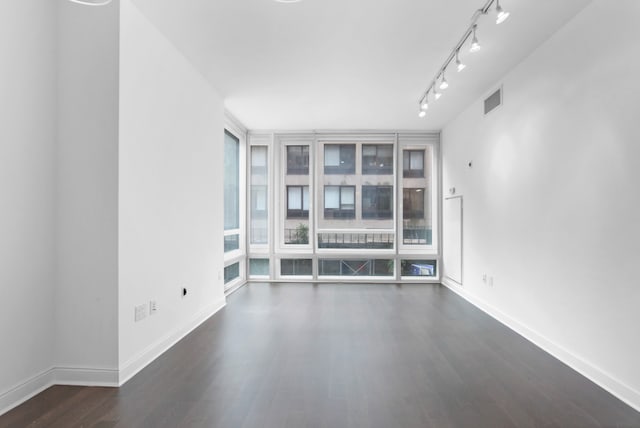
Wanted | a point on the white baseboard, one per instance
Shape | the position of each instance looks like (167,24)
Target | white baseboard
(31,387)
(23,391)
(598,376)
(88,376)
(146,356)
(85,376)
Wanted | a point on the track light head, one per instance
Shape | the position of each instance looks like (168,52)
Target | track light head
(444,84)
(424,105)
(436,94)
(502,14)
(459,65)
(422,114)
(475,45)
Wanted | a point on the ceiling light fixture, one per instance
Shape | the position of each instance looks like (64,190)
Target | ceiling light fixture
(444,84)
(424,105)
(502,14)
(91,2)
(422,114)
(475,45)
(470,33)
(459,64)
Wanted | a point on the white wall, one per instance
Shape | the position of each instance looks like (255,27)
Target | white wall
(551,204)
(27,150)
(170,192)
(86,296)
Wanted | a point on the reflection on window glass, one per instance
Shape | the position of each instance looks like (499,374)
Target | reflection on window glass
(377,159)
(297,160)
(377,202)
(340,267)
(231,272)
(339,158)
(231,181)
(259,267)
(259,231)
(422,268)
(296,267)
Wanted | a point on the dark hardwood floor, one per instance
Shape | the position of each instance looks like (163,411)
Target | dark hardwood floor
(341,356)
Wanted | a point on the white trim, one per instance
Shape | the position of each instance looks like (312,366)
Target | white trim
(23,391)
(85,376)
(145,357)
(595,374)
(234,125)
(80,376)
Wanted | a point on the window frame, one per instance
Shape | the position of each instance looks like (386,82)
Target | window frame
(233,128)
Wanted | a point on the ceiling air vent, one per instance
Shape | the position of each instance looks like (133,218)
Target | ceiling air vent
(493,101)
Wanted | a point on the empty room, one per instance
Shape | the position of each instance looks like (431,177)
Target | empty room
(319,213)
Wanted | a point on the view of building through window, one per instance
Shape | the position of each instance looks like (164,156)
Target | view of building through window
(344,208)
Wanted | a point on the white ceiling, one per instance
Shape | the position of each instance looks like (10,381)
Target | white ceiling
(349,64)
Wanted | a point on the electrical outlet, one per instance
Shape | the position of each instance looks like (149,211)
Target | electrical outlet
(490,281)
(140,312)
(484,278)
(153,307)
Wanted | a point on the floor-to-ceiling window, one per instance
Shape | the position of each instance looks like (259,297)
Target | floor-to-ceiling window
(234,225)
(343,206)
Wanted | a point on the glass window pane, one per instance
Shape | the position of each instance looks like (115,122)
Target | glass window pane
(417,160)
(231,272)
(231,243)
(259,222)
(356,240)
(413,203)
(259,156)
(296,267)
(231,181)
(416,194)
(348,267)
(420,268)
(259,267)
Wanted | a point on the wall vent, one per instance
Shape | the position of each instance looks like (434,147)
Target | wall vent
(493,101)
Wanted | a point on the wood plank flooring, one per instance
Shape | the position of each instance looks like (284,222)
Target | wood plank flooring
(303,355)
